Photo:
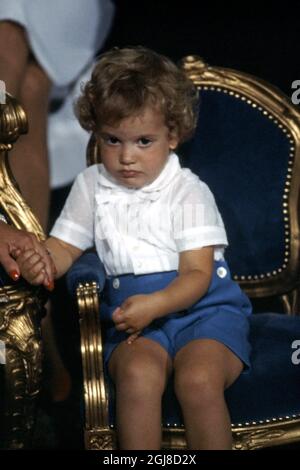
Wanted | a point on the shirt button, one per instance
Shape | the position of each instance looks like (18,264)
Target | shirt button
(116,283)
(221,272)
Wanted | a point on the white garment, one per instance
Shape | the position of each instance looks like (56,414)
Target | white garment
(64,35)
(67,140)
(141,230)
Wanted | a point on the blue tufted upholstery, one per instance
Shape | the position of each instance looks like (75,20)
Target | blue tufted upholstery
(243,157)
(87,268)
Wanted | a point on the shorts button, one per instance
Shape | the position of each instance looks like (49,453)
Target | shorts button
(116,283)
(221,272)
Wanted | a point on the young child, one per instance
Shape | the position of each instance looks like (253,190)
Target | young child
(169,301)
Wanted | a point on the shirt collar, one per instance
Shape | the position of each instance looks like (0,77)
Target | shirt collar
(109,185)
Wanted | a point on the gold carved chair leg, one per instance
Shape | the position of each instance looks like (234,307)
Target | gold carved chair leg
(98,435)
(20,332)
(20,306)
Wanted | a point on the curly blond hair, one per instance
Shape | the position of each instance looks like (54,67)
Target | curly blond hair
(126,80)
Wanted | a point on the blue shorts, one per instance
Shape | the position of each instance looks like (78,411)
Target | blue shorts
(221,314)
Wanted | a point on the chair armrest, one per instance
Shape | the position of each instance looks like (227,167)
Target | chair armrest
(88,268)
(86,279)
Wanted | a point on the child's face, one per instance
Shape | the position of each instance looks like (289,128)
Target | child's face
(135,150)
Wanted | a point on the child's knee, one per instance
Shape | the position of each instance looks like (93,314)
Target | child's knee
(140,376)
(196,386)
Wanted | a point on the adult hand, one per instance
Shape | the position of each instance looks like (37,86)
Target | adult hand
(13,242)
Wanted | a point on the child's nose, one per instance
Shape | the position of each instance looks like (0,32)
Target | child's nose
(127,155)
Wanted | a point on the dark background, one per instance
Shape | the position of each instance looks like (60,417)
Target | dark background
(254,38)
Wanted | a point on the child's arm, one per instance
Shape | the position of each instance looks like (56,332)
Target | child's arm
(63,255)
(32,263)
(195,272)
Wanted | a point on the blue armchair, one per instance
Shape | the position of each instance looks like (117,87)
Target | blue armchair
(247,148)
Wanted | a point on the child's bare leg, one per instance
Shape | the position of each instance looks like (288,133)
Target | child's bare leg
(140,372)
(14,53)
(203,369)
(29,160)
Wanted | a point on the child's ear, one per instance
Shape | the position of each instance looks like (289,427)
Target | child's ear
(173,141)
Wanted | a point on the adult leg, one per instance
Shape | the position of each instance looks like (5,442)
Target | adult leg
(60,378)
(31,85)
(14,52)
(29,159)
(140,372)
(204,368)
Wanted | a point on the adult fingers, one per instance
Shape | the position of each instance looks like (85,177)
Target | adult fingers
(28,257)
(34,269)
(38,279)
(10,265)
(45,254)
(24,241)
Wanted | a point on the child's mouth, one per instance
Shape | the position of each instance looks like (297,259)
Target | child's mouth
(129,173)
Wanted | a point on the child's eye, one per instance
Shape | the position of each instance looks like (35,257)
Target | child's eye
(144,142)
(111,140)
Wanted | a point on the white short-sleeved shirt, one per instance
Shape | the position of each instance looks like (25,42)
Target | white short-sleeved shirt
(64,35)
(142,230)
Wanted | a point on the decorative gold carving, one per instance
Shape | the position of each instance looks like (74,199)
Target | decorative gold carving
(13,122)
(100,439)
(11,201)
(95,389)
(267,435)
(19,330)
(20,308)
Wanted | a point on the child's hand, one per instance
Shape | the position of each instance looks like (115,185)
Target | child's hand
(133,337)
(134,314)
(33,268)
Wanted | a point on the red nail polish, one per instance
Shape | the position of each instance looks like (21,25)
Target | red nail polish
(50,285)
(14,275)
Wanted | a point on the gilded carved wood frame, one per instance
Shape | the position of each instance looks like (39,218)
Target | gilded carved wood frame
(19,306)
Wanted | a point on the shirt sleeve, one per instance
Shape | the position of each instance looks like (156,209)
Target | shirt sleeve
(75,225)
(196,221)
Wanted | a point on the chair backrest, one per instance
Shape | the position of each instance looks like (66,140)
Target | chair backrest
(247,149)
(13,123)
